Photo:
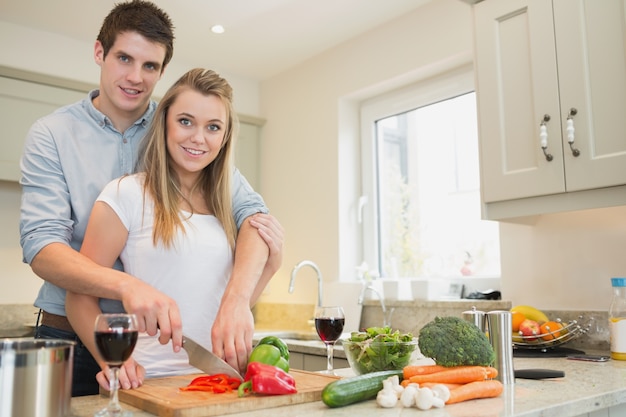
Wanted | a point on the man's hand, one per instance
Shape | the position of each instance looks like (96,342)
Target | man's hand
(131,375)
(273,234)
(155,311)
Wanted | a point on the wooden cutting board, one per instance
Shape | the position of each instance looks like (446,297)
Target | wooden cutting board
(162,396)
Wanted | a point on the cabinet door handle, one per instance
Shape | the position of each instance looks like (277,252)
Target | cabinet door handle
(543,137)
(362,203)
(569,128)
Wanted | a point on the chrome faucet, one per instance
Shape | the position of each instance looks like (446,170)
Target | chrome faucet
(295,270)
(370,287)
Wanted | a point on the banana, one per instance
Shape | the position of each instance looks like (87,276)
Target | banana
(517,338)
(531,313)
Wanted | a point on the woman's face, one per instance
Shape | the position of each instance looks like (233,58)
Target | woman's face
(196,125)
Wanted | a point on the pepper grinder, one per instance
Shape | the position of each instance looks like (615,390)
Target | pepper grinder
(475,316)
(500,329)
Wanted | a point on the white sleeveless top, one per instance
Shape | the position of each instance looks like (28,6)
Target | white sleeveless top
(194,271)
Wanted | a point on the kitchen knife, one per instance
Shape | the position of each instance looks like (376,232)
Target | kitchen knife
(538,373)
(206,361)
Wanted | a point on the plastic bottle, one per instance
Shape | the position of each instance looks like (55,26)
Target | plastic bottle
(617,319)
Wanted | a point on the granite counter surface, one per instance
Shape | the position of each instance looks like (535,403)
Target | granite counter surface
(587,387)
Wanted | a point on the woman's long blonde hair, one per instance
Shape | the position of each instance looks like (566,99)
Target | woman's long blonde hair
(161,181)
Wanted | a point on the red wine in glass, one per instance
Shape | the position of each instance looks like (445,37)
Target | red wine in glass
(116,346)
(329,323)
(115,336)
(329,329)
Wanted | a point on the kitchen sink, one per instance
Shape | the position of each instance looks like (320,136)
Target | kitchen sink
(287,334)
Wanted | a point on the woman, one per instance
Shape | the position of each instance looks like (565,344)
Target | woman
(171,224)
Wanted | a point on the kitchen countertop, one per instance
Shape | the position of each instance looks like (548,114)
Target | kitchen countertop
(587,387)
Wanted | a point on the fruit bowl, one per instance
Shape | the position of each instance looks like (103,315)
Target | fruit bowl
(372,356)
(550,338)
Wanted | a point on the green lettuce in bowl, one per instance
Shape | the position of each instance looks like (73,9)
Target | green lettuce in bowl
(379,349)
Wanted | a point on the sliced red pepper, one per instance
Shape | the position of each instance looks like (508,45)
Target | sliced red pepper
(266,379)
(218,383)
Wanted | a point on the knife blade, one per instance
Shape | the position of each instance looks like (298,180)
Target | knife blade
(538,373)
(207,361)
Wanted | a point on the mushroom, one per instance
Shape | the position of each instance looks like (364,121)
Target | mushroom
(407,399)
(387,397)
(424,399)
(395,385)
(441,391)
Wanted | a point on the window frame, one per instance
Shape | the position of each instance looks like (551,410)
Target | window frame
(440,87)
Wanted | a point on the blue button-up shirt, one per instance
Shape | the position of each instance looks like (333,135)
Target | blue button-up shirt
(69,156)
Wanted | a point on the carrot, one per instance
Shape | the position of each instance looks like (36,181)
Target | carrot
(454,375)
(432,384)
(412,370)
(491,372)
(474,390)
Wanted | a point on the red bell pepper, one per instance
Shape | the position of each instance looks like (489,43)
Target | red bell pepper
(266,379)
(217,384)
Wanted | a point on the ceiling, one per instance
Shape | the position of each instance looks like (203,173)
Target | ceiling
(262,38)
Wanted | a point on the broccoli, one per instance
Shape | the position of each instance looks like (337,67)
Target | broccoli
(451,341)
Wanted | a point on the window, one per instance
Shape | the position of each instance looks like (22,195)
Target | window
(422,185)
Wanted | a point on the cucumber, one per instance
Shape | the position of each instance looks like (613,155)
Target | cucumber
(355,389)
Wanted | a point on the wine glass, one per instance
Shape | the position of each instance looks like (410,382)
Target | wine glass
(116,337)
(329,322)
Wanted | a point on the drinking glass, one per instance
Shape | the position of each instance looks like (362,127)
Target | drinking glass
(329,322)
(116,337)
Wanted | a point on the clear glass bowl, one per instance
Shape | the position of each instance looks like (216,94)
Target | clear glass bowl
(372,356)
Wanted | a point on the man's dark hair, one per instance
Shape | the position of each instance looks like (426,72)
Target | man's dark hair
(142,17)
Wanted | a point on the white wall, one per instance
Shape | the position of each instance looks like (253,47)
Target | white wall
(310,170)
(60,56)
(31,50)
(19,284)
(563,261)
(309,152)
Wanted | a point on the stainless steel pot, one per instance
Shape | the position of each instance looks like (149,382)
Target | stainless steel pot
(35,377)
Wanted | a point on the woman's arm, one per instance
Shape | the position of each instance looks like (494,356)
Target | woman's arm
(105,238)
(233,328)
(81,312)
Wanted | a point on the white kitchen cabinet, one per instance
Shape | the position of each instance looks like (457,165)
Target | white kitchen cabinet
(247,150)
(25,97)
(318,363)
(21,104)
(615,411)
(296,360)
(535,61)
(313,363)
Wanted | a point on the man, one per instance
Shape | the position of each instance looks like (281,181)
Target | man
(68,158)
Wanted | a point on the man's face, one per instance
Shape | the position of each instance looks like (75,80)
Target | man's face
(128,75)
